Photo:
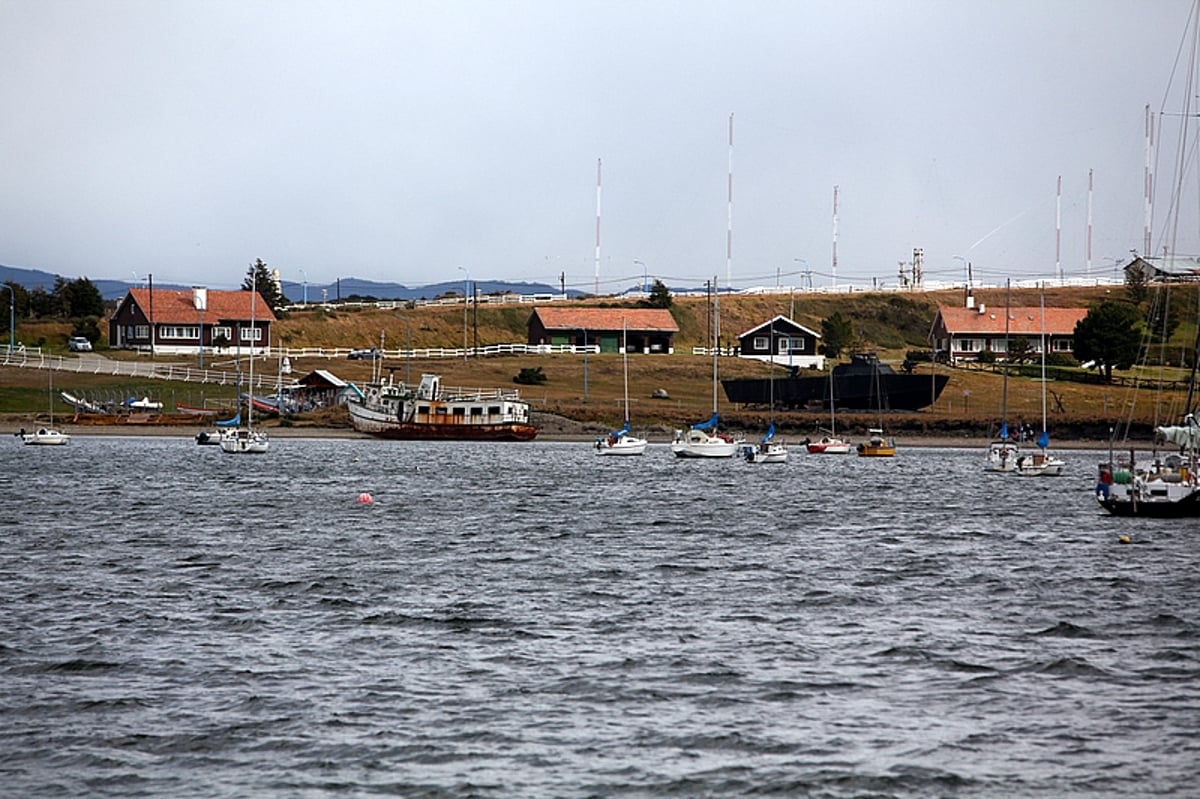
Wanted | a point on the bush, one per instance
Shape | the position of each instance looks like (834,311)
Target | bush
(986,356)
(530,376)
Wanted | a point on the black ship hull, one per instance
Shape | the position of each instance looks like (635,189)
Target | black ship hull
(863,384)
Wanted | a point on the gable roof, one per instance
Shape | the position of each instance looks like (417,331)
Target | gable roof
(322,377)
(779,318)
(1022,320)
(654,319)
(172,306)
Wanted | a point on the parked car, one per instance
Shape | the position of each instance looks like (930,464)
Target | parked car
(79,344)
(372,354)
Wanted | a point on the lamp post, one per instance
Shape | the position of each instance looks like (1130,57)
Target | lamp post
(12,317)
(305,276)
(645,276)
(466,296)
(408,358)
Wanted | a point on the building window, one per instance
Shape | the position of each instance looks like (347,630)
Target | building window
(251,334)
(142,331)
(222,332)
(970,345)
(459,411)
(476,411)
(172,331)
(1062,345)
(760,344)
(494,410)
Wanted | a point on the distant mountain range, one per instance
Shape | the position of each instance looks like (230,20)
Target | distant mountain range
(341,288)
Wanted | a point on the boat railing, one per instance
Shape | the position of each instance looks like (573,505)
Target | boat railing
(456,394)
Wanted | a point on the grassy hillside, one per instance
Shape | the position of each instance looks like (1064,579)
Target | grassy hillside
(889,323)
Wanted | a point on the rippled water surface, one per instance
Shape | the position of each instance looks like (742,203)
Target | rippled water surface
(534,621)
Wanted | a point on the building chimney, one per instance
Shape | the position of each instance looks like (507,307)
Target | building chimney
(200,298)
(982,308)
(970,299)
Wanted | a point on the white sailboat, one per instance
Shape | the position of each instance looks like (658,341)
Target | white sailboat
(1043,463)
(47,436)
(702,440)
(246,440)
(622,442)
(1003,452)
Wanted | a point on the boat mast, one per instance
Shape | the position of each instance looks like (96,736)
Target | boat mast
(716,340)
(1043,303)
(625,364)
(253,329)
(1004,392)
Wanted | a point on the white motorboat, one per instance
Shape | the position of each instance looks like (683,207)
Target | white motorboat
(45,436)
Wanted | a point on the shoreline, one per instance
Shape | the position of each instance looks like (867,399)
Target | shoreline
(11,429)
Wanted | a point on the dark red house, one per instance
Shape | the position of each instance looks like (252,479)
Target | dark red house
(181,322)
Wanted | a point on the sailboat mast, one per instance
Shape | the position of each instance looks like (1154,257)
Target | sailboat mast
(625,363)
(716,340)
(1007,316)
(1043,302)
(253,329)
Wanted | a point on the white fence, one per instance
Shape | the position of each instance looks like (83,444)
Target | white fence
(220,374)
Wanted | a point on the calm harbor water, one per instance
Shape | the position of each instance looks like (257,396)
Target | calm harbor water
(534,621)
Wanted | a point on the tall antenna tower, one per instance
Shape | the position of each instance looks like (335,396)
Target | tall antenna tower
(1089,226)
(1058,231)
(596,289)
(835,233)
(729,232)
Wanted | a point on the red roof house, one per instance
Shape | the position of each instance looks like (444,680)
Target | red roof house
(175,321)
(961,333)
(649,330)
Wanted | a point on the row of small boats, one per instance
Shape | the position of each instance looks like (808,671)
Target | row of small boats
(704,441)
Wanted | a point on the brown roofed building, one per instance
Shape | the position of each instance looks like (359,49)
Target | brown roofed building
(649,329)
(181,322)
(962,333)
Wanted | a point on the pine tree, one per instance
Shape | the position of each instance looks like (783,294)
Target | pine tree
(259,277)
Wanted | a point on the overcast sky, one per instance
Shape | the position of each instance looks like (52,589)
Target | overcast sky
(418,141)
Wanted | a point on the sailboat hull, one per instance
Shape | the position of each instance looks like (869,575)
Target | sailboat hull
(698,444)
(624,445)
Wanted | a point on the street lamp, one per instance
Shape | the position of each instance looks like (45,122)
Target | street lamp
(645,277)
(305,276)
(466,295)
(408,358)
(12,317)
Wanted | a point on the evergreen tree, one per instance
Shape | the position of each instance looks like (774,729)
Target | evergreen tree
(660,296)
(264,283)
(837,334)
(1110,335)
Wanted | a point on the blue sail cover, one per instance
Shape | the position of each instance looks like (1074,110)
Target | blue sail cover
(1004,429)
(709,425)
(1043,440)
(624,431)
(234,422)
(770,433)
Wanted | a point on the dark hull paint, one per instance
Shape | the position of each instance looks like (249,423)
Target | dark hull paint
(1186,508)
(896,392)
(458,432)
